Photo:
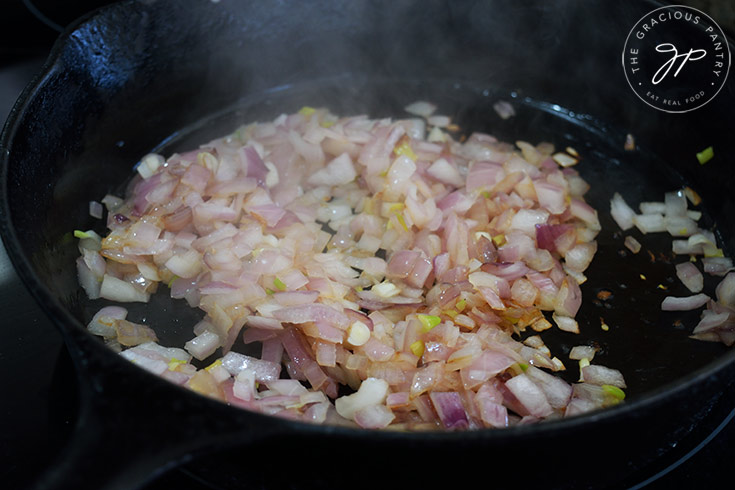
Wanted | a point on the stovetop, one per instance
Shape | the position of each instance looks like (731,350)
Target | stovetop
(38,406)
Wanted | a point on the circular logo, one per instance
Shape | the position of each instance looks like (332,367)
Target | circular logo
(676,58)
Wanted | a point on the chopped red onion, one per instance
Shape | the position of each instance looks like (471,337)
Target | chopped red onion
(339,171)
(290,231)
(712,320)
(601,375)
(484,175)
(557,391)
(717,266)
(529,395)
(421,108)
(203,345)
(374,417)
(649,223)
(256,169)
(725,291)
(671,303)
(547,235)
(449,408)
(121,291)
(263,371)
(621,212)
(311,313)
(372,391)
(103,322)
(690,276)
(632,244)
(551,197)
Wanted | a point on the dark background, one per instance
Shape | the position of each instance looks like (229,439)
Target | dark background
(37,406)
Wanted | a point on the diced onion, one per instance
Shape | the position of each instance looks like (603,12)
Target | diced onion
(421,108)
(116,289)
(372,391)
(621,212)
(690,276)
(383,271)
(671,303)
(203,345)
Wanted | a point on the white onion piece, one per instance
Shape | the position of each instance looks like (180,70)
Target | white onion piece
(585,212)
(675,204)
(579,352)
(372,391)
(690,276)
(288,387)
(439,121)
(621,212)
(415,127)
(580,256)
(671,303)
(717,266)
(154,365)
(680,225)
(112,203)
(557,391)
(632,244)
(725,291)
(203,345)
(649,223)
(568,299)
(186,265)
(551,197)
(711,320)
(526,220)
(244,385)
(565,323)
(95,209)
(373,417)
(421,108)
(339,171)
(529,395)
(87,279)
(489,402)
(103,322)
(263,371)
(149,164)
(564,159)
(121,291)
(167,353)
(683,247)
(443,171)
(601,375)
(652,208)
(312,313)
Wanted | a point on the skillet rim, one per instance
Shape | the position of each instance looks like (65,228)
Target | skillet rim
(70,327)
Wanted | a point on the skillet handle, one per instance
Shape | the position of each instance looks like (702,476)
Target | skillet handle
(126,437)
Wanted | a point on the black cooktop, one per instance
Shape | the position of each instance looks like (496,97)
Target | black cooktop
(38,406)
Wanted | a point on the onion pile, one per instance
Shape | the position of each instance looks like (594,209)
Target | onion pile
(673,216)
(382,258)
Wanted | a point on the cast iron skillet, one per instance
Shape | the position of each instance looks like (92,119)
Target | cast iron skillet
(141,75)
